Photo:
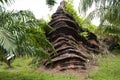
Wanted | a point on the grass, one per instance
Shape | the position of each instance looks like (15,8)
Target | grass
(109,69)
(23,71)
(32,75)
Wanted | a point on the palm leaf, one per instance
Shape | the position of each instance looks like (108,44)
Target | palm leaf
(7,41)
(50,2)
(8,2)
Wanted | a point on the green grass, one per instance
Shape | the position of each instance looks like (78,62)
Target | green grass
(109,69)
(23,71)
(33,75)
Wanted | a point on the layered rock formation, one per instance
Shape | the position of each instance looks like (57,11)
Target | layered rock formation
(73,50)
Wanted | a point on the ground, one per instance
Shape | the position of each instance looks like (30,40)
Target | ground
(106,68)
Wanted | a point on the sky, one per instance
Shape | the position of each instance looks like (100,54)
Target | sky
(39,8)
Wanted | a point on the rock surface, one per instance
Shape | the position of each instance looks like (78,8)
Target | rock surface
(73,50)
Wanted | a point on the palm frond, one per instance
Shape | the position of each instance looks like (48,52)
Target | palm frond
(8,2)
(107,10)
(50,2)
(7,41)
(24,32)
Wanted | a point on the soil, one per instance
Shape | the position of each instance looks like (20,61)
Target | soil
(79,73)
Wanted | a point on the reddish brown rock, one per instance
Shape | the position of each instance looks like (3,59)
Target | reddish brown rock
(73,50)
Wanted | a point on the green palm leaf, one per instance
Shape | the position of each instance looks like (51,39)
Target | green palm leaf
(109,13)
(21,33)
(7,41)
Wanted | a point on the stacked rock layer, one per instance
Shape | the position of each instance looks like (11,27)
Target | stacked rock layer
(73,49)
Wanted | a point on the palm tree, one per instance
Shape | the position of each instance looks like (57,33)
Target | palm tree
(22,34)
(109,13)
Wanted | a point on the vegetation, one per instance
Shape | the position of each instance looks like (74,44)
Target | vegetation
(21,34)
(24,35)
(24,71)
(108,67)
(108,11)
(108,70)
(82,22)
(50,3)
(6,1)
